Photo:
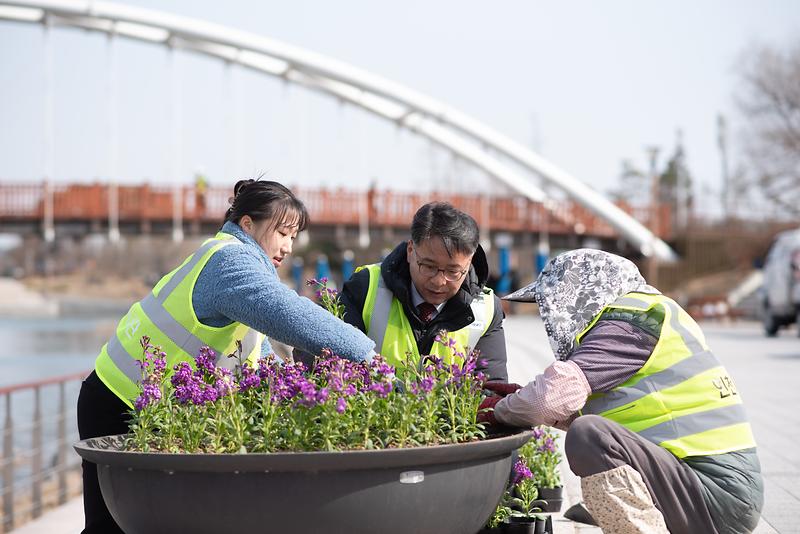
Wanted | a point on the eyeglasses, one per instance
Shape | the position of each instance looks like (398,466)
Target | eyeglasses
(429,271)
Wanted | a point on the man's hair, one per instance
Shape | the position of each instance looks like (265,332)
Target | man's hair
(457,230)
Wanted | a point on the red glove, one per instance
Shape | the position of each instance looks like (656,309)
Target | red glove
(486,410)
(501,388)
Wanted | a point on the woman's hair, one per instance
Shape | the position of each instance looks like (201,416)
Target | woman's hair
(266,200)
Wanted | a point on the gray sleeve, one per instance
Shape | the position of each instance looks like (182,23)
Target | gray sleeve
(611,353)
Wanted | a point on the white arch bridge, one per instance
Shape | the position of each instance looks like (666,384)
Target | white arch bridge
(457,132)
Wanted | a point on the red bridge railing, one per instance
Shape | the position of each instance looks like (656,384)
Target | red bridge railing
(146,203)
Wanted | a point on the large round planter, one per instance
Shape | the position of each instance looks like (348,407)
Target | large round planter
(442,489)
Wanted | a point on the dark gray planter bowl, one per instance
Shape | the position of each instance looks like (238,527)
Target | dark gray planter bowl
(443,489)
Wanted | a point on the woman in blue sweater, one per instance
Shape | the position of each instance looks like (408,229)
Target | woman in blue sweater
(226,293)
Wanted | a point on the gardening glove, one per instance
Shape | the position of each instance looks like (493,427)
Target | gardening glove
(486,410)
(501,388)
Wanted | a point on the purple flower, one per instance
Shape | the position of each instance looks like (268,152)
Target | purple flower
(381,368)
(151,394)
(182,374)
(427,383)
(307,394)
(189,392)
(209,394)
(431,363)
(205,360)
(250,379)
(224,384)
(160,362)
(382,388)
(521,472)
(265,369)
(341,405)
(444,339)
(548,446)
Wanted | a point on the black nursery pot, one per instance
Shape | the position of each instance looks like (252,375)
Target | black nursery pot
(554,498)
(391,491)
(528,525)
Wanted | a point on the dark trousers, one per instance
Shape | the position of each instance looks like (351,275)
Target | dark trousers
(595,444)
(100,413)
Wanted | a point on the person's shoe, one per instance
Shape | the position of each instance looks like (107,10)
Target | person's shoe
(579,514)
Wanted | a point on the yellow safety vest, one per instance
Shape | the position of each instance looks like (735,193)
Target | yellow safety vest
(388,326)
(682,399)
(167,316)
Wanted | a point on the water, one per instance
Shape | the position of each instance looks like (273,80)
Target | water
(35,349)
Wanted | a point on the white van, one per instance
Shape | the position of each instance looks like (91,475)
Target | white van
(780,295)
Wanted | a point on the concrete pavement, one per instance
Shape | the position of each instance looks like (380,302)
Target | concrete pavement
(766,372)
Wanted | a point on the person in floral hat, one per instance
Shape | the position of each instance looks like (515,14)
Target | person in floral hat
(656,428)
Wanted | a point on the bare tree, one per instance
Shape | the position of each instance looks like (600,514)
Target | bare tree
(675,185)
(770,101)
(633,185)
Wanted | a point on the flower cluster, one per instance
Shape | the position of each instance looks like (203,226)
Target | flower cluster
(337,405)
(520,499)
(153,364)
(523,498)
(542,455)
(536,468)
(328,297)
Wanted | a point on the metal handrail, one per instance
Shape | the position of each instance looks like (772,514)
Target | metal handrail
(17,490)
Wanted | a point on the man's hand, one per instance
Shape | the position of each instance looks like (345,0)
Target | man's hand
(501,388)
(486,410)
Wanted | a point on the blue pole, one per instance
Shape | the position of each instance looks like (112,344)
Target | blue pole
(347,265)
(504,281)
(323,270)
(542,255)
(297,273)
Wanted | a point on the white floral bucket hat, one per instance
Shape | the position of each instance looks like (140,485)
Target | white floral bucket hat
(574,287)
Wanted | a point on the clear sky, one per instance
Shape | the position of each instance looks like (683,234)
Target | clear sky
(587,84)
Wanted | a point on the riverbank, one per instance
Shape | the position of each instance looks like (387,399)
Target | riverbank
(17,300)
(74,295)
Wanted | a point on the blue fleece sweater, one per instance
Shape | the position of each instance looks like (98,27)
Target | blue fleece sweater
(240,284)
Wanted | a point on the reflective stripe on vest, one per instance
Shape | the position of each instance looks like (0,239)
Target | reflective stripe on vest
(682,398)
(117,364)
(377,315)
